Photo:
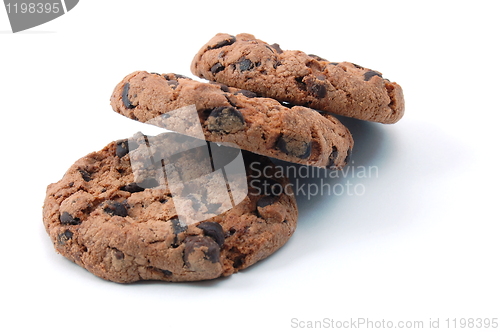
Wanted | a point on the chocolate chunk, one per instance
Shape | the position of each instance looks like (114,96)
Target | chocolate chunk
(224,87)
(64,237)
(122,148)
(318,90)
(225,119)
(148,183)
(85,175)
(300,83)
(67,219)
(115,209)
(212,251)
(125,99)
(245,64)
(291,146)
(348,157)
(178,76)
(318,58)
(173,84)
(369,74)
(286,104)
(177,226)
(132,188)
(277,48)
(332,157)
(166,273)
(247,93)
(217,68)
(118,254)
(214,230)
(267,200)
(225,42)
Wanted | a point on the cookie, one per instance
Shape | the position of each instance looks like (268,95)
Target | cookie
(295,77)
(112,214)
(218,113)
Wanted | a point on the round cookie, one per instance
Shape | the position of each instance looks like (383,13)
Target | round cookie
(229,115)
(110,215)
(342,88)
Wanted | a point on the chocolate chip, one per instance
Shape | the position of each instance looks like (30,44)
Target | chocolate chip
(277,48)
(64,237)
(318,90)
(332,157)
(245,64)
(135,187)
(224,87)
(286,104)
(118,254)
(125,99)
(173,84)
(216,68)
(225,42)
(333,63)
(369,74)
(67,219)
(85,175)
(177,77)
(148,183)
(266,201)
(212,251)
(246,93)
(132,188)
(166,273)
(318,58)
(225,119)
(214,230)
(358,66)
(300,83)
(348,156)
(177,226)
(115,209)
(291,146)
(122,148)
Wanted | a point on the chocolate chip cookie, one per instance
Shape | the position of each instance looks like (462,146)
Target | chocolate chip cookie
(113,215)
(218,113)
(298,78)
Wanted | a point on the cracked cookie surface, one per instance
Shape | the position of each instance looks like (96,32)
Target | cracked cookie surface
(120,223)
(229,115)
(304,79)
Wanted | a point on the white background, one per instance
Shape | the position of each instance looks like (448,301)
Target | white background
(421,243)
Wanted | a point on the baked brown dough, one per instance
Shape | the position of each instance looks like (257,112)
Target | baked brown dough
(298,78)
(228,115)
(120,222)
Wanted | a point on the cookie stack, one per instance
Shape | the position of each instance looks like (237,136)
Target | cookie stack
(113,214)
